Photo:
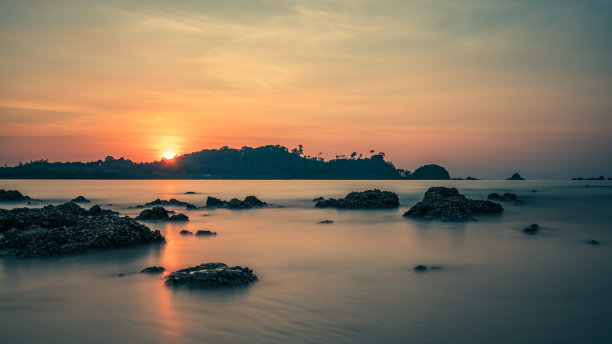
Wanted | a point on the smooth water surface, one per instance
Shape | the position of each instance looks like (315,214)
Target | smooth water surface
(347,282)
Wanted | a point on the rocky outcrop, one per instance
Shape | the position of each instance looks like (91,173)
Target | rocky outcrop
(431,171)
(205,232)
(68,229)
(506,197)
(159,213)
(153,270)
(533,229)
(235,203)
(446,204)
(173,202)
(12,196)
(516,176)
(211,275)
(318,199)
(80,199)
(369,199)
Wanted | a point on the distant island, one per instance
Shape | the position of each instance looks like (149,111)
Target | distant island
(265,162)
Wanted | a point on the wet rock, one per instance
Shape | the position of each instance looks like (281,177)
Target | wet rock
(235,203)
(506,197)
(318,199)
(155,213)
(178,218)
(185,232)
(326,222)
(369,199)
(153,270)
(516,176)
(12,196)
(446,204)
(68,229)
(593,242)
(190,193)
(205,232)
(80,199)
(471,178)
(173,202)
(429,172)
(420,268)
(211,275)
(533,229)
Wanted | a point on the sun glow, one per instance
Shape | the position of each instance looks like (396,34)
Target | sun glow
(169,155)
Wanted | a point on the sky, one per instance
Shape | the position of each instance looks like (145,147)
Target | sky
(483,87)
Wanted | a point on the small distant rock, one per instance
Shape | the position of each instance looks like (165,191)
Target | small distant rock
(446,204)
(12,196)
(326,222)
(185,232)
(153,270)
(516,176)
(507,197)
(159,213)
(369,199)
(173,202)
(190,193)
(436,268)
(534,190)
(205,232)
(593,242)
(420,268)
(80,199)
(179,218)
(211,275)
(533,229)
(318,199)
(471,178)
(235,203)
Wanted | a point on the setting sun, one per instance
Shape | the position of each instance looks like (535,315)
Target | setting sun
(169,156)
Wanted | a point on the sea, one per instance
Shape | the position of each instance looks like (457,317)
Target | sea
(352,281)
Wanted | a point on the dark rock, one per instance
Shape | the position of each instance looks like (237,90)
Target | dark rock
(318,199)
(12,196)
(369,199)
(326,222)
(173,202)
(80,199)
(534,190)
(516,176)
(190,193)
(507,197)
(185,232)
(155,213)
(153,270)
(533,229)
(593,242)
(235,203)
(179,218)
(211,275)
(68,229)
(205,232)
(471,178)
(429,172)
(420,268)
(447,204)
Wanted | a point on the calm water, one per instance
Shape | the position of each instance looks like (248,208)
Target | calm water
(348,282)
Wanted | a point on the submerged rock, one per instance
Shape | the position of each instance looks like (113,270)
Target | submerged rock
(172,202)
(80,199)
(205,232)
(178,218)
(516,176)
(235,203)
(446,204)
(326,222)
(533,229)
(593,242)
(506,197)
(185,232)
(153,270)
(68,229)
(190,193)
(369,199)
(12,196)
(211,275)
(420,268)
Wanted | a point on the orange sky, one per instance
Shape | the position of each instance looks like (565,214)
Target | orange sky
(482,87)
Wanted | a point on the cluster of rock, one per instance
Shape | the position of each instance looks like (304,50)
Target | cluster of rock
(533,229)
(423,268)
(173,202)
(235,203)
(153,270)
(13,196)
(68,229)
(369,199)
(159,213)
(211,275)
(205,232)
(506,197)
(446,204)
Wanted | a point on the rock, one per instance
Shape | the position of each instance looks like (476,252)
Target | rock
(173,202)
(326,222)
(593,242)
(420,268)
(190,193)
(471,178)
(12,196)
(211,275)
(205,232)
(80,199)
(507,197)
(155,213)
(185,232)
(235,203)
(534,190)
(68,229)
(516,176)
(369,199)
(429,172)
(447,204)
(318,199)
(178,218)
(533,229)
(153,270)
